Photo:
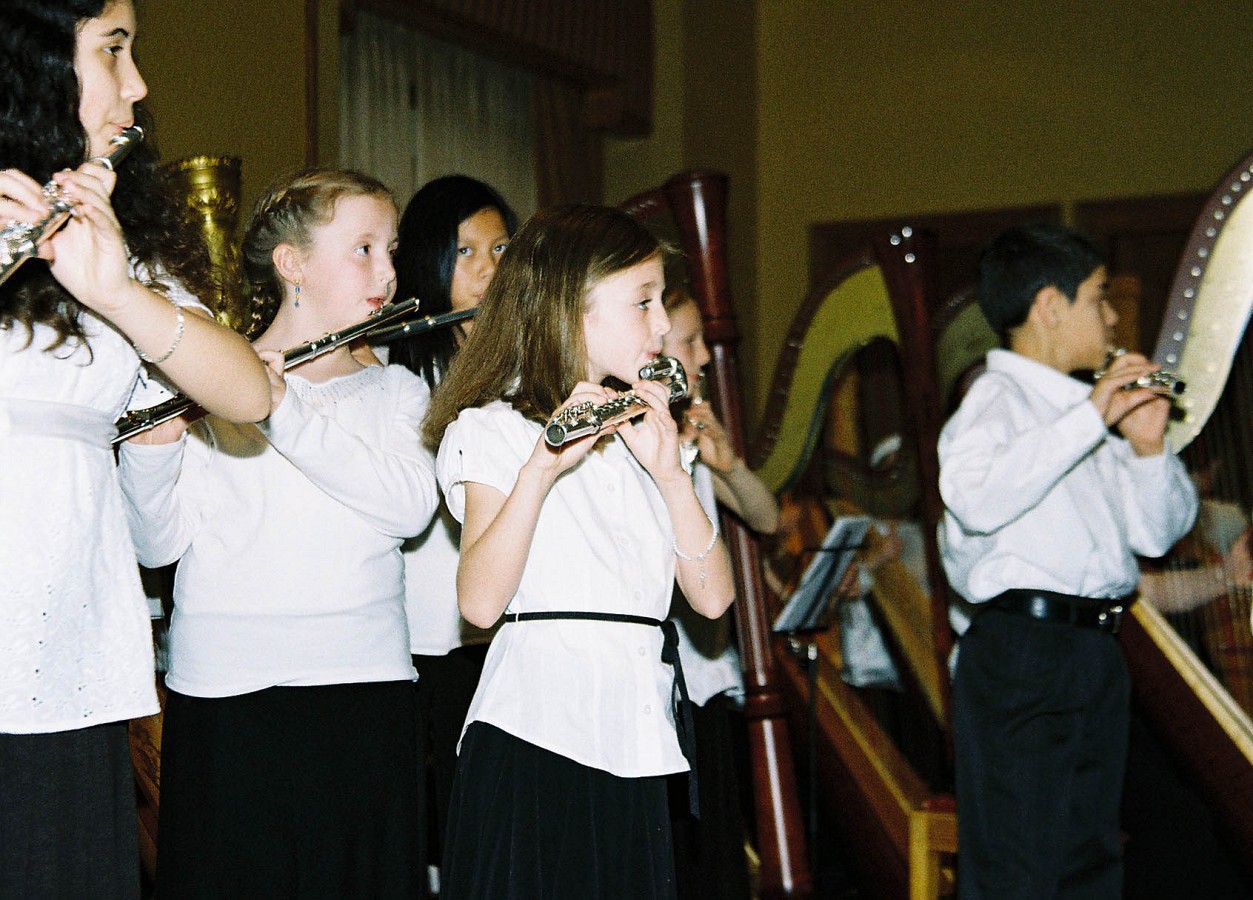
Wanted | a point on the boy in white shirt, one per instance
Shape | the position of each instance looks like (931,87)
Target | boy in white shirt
(1051,488)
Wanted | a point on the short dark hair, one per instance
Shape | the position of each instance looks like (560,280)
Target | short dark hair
(1021,261)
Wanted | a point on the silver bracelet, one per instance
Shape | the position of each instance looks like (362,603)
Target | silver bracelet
(179,323)
(713,539)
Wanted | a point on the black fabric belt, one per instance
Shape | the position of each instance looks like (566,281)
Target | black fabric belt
(684,723)
(1050,606)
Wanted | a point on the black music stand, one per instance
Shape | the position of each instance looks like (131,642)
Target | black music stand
(809,607)
(807,612)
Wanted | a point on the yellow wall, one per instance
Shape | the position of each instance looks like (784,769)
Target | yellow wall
(704,116)
(227,78)
(865,109)
(882,109)
(818,111)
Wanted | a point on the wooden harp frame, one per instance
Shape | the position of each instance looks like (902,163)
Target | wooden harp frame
(1203,329)
(696,202)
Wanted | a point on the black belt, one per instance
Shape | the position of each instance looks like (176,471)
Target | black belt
(1050,606)
(685,726)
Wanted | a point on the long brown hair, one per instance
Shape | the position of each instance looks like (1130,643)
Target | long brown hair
(527,345)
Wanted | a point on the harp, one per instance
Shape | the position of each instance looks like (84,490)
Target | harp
(1192,671)
(886,771)
(693,206)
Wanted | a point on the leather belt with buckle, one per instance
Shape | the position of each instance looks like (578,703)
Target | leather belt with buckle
(1051,606)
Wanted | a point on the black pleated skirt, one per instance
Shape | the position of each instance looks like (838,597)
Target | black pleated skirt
(67,815)
(528,824)
(292,792)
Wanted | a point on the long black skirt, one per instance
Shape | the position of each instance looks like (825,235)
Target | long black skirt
(709,852)
(292,792)
(446,686)
(67,815)
(527,824)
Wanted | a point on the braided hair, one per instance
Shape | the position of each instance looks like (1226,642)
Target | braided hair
(287,214)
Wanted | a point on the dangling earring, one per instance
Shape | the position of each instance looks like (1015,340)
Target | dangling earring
(297,294)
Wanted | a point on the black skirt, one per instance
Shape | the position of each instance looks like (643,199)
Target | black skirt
(709,855)
(527,823)
(446,685)
(291,792)
(67,815)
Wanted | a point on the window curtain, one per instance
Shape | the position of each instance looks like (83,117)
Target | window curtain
(568,157)
(413,108)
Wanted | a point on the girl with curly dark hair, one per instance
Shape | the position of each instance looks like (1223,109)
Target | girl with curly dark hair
(111,287)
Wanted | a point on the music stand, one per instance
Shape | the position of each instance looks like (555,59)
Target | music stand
(808,609)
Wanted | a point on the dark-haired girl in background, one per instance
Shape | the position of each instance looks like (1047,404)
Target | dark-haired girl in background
(451,236)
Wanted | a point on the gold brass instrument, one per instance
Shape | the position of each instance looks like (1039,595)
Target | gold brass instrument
(209,190)
(581,419)
(383,319)
(19,241)
(1167,384)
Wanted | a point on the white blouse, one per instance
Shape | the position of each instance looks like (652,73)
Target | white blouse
(711,664)
(289,535)
(435,622)
(594,692)
(75,638)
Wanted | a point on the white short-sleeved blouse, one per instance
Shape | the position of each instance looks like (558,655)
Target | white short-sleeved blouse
(595,692)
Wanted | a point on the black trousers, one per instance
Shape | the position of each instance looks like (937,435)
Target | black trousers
(446,685)
(1040,719)
(709,857)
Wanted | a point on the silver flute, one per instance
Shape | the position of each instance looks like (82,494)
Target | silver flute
(1166,383)
(19,241)
(383,320)
(581,419)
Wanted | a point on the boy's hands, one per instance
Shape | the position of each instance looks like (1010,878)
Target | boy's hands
(1139,414)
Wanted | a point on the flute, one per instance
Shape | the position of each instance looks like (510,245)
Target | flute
(140,420)
(581,419)
(385,334)
(1168,384)
(19,241)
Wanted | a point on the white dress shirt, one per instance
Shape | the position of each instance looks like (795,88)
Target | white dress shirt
(1038,493)
(594,692)
(289,535)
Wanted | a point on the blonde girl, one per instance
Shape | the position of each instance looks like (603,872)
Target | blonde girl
(289,761)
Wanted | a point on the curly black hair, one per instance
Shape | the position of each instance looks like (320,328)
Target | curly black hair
(40,133)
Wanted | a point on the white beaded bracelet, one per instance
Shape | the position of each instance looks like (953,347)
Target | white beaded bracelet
(179,323)
(700,558)
(713,539)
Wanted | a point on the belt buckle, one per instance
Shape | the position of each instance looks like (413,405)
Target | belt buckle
(1109,619)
